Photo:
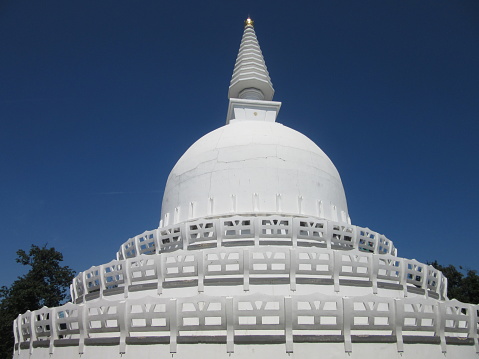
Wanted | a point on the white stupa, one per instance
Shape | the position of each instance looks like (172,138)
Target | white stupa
(255,257)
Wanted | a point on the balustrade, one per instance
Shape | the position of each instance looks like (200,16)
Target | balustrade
(256,230)
(254,265)
(288,320)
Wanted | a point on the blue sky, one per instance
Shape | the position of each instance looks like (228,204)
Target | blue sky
(99,99)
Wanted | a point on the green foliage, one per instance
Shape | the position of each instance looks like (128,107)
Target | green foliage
(462,285)
(45,284)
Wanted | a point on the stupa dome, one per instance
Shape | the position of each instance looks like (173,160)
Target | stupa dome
(253,166)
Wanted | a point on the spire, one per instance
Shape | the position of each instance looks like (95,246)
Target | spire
(250,77)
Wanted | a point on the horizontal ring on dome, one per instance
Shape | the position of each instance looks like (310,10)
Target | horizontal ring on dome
(254,230)
(248,267)
(249,319)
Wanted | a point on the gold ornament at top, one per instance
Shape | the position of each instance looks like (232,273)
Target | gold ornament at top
(249,22)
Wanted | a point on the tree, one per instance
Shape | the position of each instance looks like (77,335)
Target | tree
(462,284)
(45,284)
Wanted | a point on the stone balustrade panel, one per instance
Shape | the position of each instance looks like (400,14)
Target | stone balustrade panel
(224,262)
(103,317)
(78,287)
(385,245)
(434,278)
(416,273)
(149,314)
(26,330)
(237,230)
(171,238)
(129,248)
(182,265)
(147,242)
(390,268)
(142,269)
(367,240)
(353,264)
(68,321)
(269,262)
(114,274)
(42,323)
(93,280)
(277,230)
(259,312)
(369,314)
(201,313)
(311,232)
(417,314)
(343,236)
(318,314)
(202,233)
(313,264)
(456,317)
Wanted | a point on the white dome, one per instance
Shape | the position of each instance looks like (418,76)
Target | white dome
(253,166)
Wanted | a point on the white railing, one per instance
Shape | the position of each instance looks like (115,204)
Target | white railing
(244,265)
(277,319)
(249,230)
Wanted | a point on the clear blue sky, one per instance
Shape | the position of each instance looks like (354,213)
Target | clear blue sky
(99,99)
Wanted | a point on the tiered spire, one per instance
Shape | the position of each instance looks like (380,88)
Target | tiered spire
(250,76)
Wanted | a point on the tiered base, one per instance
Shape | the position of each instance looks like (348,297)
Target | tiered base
(260,351)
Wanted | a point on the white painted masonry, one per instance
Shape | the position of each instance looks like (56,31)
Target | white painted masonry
(255,257)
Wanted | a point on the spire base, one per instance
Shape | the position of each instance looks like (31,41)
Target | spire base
(252,110)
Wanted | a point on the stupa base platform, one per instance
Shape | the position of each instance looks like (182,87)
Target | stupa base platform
(364,348)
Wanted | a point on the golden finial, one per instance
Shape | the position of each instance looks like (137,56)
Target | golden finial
(248,22)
